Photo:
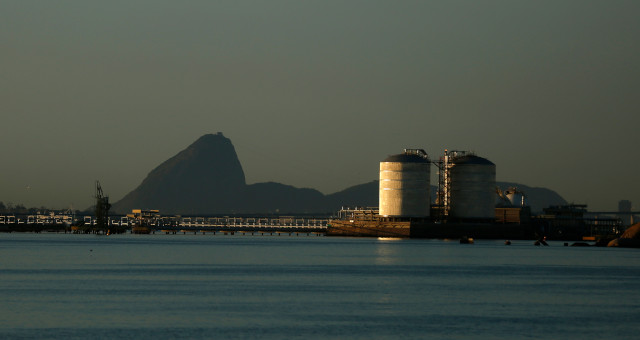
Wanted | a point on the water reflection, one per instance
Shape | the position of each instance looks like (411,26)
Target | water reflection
(386,252)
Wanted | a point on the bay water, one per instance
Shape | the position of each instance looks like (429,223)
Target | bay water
(67,286)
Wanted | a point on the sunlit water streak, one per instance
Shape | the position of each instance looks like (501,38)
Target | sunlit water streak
(272,287)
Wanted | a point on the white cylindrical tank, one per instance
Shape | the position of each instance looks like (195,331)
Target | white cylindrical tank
(473,182)
(515,197)
(405,185)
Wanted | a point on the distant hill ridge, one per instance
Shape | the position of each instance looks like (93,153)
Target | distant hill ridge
(207,178)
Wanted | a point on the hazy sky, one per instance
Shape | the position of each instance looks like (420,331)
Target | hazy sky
(316,93)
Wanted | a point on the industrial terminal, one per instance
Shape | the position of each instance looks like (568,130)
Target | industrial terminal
(464,204)
(468,205)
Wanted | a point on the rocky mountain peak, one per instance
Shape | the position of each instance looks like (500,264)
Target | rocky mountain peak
(206,176)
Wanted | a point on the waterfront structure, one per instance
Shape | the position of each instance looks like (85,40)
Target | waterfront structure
(516,197)
(624,208)
(405,185)
(102,208)
(465,206)
(471,186)
(143,220)
(571,222)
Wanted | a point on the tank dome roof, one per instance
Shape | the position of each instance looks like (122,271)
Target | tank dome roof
(406,158)
(471,159)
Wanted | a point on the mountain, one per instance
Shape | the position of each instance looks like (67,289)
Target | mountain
(276,198)
(204,177)
(362,195)
(207,178)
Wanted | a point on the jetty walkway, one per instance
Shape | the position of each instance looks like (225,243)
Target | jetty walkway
(173,224)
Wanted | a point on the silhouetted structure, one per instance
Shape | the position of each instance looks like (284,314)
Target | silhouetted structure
(624,206)
(102,209)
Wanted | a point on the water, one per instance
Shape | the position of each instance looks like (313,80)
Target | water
(59,286)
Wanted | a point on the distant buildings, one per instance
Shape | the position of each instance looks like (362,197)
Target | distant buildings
(624,208)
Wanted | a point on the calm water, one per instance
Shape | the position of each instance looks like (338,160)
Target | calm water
(274,287)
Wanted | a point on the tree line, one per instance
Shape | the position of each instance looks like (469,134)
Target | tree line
(20,209)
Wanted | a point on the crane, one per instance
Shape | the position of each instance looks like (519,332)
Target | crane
(102,209)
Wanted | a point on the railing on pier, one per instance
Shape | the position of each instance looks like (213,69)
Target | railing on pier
(290,223)
(244,222)
(227,222)
(36,219)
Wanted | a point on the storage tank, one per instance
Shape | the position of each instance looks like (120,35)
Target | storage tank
(405,185)
(473,185)
(515,196)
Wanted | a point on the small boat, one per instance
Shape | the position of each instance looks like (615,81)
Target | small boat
(466,240)
(542,241)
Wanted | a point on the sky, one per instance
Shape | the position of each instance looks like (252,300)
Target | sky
(316,93)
